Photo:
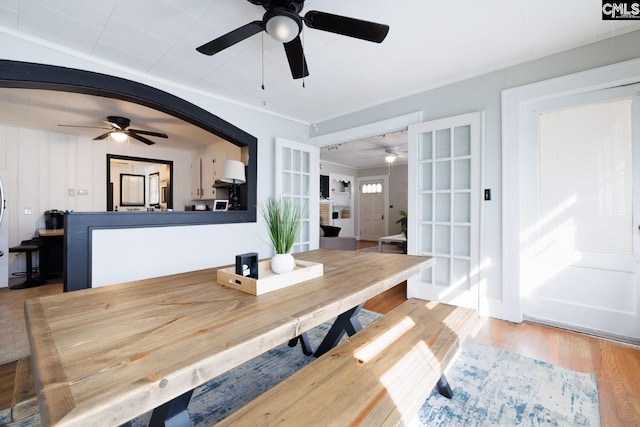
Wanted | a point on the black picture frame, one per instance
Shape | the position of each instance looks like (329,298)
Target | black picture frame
(220,205)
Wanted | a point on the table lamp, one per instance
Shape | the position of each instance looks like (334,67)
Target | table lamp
(233,172)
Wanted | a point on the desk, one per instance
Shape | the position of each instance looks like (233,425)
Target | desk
(51,252)
(106,355)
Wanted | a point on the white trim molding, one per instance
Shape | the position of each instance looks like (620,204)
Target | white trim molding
(364,131)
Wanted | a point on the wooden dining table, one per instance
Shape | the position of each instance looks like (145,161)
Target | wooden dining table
(104,356)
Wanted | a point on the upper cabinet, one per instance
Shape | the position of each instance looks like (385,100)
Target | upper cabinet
(206,169)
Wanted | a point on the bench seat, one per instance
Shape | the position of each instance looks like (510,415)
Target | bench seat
(25,402)
(380,376)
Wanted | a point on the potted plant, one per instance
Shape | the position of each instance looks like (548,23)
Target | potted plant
(284,219)
(403,222)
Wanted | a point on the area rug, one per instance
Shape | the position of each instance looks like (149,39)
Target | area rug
(491,387)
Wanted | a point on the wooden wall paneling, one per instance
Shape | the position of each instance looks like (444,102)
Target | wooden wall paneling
(58,172)
(85,164)
(28,162)
(99,198)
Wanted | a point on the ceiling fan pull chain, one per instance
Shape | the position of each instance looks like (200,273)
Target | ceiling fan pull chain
(262,60)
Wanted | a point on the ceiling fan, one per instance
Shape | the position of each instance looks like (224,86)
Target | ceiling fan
(392,153)
(119,130)
(284,24)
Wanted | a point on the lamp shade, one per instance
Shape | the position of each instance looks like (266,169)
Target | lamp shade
(233,172)
(282,28)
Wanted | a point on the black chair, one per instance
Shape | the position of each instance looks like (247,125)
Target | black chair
(28,247)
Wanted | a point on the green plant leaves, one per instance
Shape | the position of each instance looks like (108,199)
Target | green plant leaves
(284,219)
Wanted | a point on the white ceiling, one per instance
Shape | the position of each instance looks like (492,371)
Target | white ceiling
(368,152)
(429,44)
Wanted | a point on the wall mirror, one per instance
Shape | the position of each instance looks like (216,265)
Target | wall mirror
(157,182)
(132,192)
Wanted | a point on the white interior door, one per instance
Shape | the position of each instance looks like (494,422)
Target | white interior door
(372,196)
(444,207)
(579,214)
(298,178)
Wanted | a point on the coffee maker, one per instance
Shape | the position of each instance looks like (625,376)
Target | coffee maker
(54,219)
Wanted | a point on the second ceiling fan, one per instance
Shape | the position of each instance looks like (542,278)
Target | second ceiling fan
(119,130)
(282,21)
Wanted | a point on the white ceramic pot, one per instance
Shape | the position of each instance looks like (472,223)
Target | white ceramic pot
(282,263)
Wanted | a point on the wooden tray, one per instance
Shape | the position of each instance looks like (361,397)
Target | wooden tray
(267,280)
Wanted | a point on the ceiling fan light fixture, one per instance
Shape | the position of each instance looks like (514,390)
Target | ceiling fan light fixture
(283,27)
(119,136)
(390,158)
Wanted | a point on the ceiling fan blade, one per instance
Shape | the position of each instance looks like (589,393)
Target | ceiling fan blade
(78,126)
(295,56)
(103,136)
(113,124)
(138,137)
(148,132)
(345,26)
(231,38)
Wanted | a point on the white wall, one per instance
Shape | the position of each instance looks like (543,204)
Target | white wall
(149,252)
(483,94)
(43,166)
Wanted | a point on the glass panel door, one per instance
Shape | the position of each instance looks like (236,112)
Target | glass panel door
(444,183)
(298,178)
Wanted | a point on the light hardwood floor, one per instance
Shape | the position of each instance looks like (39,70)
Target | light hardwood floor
(616,366)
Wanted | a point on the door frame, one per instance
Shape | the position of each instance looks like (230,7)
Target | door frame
(385,186)
(515,104)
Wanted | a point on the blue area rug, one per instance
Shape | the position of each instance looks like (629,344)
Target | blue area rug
(491,387)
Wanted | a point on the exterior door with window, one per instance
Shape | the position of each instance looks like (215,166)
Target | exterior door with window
(298,178)
(579,215)
(444,207)
(372,208)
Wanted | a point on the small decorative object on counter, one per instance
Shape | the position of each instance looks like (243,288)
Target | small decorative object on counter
(247,265)
(284,219)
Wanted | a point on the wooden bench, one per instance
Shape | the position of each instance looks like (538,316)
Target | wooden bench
(24,402)
(380,376)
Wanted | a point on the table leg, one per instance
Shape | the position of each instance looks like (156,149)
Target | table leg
(444,388)
(346,322)
(173,413)
(304,342)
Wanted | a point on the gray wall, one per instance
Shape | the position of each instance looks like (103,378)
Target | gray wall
(483,93)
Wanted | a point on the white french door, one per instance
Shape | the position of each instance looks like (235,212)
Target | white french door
(444,207)
(297,168)
(579,212)
(372,207)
